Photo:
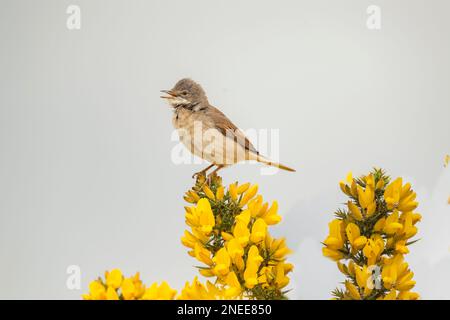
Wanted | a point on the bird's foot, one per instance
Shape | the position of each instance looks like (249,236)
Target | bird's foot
(213,178)
(198,174)
(209,179)
(203,172)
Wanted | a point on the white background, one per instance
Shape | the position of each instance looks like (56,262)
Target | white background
(86,176)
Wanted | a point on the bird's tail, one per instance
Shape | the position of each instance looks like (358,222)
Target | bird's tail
(261,159)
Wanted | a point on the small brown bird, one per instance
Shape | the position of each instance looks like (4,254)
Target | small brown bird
(207,132)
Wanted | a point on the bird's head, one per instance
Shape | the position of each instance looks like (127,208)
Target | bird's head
(185,92)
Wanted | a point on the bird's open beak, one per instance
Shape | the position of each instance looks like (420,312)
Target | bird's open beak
(170,94)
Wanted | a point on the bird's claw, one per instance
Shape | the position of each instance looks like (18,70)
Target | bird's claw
(200,173)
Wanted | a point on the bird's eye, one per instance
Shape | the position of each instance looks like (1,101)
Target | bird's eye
(184,93)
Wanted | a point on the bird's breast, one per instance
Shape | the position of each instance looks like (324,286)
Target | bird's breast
(180,118)
(187,120)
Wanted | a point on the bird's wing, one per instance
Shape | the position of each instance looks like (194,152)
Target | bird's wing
(225,126)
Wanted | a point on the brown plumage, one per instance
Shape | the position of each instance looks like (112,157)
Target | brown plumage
(192,110)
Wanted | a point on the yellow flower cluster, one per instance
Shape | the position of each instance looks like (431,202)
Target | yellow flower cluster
(117,287)
(229,235)
(373,233)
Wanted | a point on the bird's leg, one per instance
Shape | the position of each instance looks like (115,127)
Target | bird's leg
(202,173)
(219,166)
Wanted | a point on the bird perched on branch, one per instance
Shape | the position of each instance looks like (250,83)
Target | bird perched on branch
(207,132)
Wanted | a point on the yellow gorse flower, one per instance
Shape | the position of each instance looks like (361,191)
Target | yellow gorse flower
(205,216)
(234,286)
(198,291)
(97,291)
(373,249)
(222,262)
(249,194)
(373,234)
(114,278)
(335,240)
(362,280)
(357,241)
(271,215)
(241,233)
(161,292)
(259,230)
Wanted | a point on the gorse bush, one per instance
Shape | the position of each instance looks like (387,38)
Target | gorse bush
(228,233)
(369,238)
